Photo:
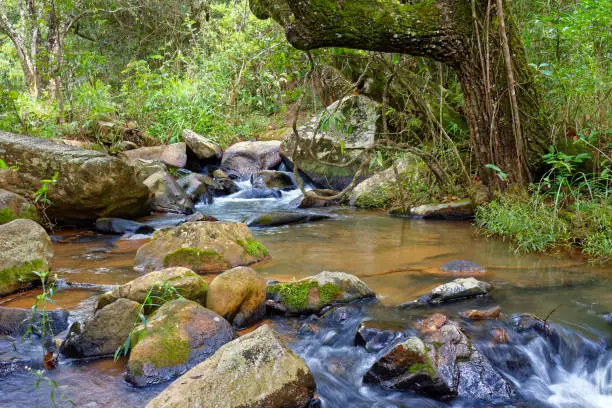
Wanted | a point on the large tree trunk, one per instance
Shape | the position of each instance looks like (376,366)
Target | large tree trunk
(460,33)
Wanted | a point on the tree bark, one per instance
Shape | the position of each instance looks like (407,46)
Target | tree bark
(450,31)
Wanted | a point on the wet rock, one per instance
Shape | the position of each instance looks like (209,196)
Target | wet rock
(168,196)
(378,190)
(374,337)
(202,247)
(196,187)
(334,144)
(25,248)
(258,193)
(13,206)
(220,184)
(460,266)
(281,180)
(455,211)
(120,226)
(203,148)
(239,295)
(15,321)
(457,289)
(526,322)
(103,333)
(312,200)
(607,317)
(499,335)
(482,314)
(245,158)
(89,185)
(431,323)
(170,282)
(273,219)
(310,295)
(256,370)
(178,336)
(173,155)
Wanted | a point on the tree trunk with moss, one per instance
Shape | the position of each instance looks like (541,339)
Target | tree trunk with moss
(460,33)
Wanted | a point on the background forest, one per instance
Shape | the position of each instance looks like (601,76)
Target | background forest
(145,70)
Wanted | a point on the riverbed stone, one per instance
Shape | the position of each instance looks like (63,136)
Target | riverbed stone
(256,370)
(169,282)
(454,211)
(173,155)
(179,335)
(13,206)
(239,295)
(244,158)
(103,333)
(461,266)
(274,219)
(89,185)
(457,289)
(202,147)
(311,294)
(204,247)
(482,314)
(15,321)
(25,248)
(121,226)
(168,196)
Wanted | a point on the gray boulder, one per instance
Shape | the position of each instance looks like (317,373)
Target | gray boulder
(168,196)
(196,186)
(120,226)
(273,219)
(458,289)
(273,179)
(455,211)
(15,321)
(173,155)
(203,148)
(245,158)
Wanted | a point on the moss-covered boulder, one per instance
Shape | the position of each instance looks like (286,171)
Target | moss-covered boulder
(89,185)
(310,294)
(25,248)
(103,333)
(378,191)
(203,247)
(239,295)
(168,196)
(179,335)
(13,206)
(256,370)
(166,283)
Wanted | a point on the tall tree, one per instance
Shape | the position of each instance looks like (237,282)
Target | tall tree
(466,35)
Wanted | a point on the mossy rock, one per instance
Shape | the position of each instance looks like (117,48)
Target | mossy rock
(198,259)
(14,206)
(315,292)
(179,335)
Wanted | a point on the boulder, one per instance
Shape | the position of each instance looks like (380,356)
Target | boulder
(239,295)
(458,289)
(311,198)
(146,168)
(378,190)
(25,248)
(220,184)
(173,155)
(442,364)
(167,195)
(337,141)
(13,206)
(195,186)
(461,266)
(311,294)
(203,148)
(170,282)
(455,211)
(273,179)
(104,333)
(15,321)
(273,219)
(120,226)
(204,247)
(258,193)
(245,158)
(256,370)
(179,335)
(89,184)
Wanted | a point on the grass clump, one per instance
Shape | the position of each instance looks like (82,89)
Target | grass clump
(253,247)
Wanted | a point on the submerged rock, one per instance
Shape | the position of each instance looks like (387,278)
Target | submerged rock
(179,335)
(310,295)
(170,282)
(273,219)
(13,206)
(120,226)
(461,266)
(455,211)
(245,158)
(25,248)
(203,148)
(239,295)
(173,155)
(89,184)
(202,247)
(457,289)
(482,314)
(256,370)
(101,335)
(168,196)
(15,321)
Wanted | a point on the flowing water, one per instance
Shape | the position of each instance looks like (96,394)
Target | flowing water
(399,259)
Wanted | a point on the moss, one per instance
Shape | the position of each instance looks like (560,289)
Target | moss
(426,367)
(7,215)
(14,277)
(253,248)
(193,258)
(263,220)
(327,293)
(295,295)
